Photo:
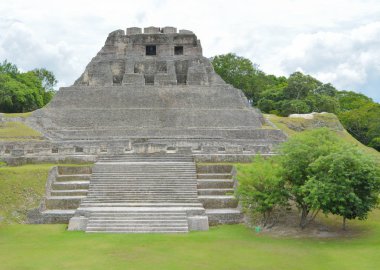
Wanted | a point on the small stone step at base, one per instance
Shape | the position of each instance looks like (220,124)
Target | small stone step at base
(218,201)
(224,216)
(57,216)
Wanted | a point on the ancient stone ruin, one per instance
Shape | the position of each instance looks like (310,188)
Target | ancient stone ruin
(147,106)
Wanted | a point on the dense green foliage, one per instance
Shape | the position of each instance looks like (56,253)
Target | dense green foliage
(24,91)
(261,189)
(316,171)
(302,93)
(324,173)
(343,183)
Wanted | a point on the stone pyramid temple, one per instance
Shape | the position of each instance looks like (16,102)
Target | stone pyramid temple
(147,107)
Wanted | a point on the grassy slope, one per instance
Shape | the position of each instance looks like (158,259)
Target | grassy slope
(20,115)
(21,188)
(292,126)
(17,131)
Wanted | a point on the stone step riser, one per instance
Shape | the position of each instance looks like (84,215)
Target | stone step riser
(227,218)
(69,186)
(137,231)
(214,176)
(63,178)
(216,203)
(68,193)
(62,204)
(136,225)
(215,191)
(143,218)
(215,184)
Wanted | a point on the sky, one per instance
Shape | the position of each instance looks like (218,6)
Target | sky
(336,41)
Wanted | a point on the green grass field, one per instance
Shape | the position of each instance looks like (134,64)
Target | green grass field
(225,247)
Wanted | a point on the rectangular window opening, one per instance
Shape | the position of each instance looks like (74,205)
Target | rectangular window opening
(150,50)
(78,149)
(178,50)
(149,79)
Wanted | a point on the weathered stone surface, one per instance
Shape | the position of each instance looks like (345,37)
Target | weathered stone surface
(170,100)
(198,223)
(77,224)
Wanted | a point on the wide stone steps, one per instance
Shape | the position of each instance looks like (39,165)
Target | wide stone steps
(153,158)
(141,182)
(138,222)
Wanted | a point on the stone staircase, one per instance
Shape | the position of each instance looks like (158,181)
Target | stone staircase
(216,192)
(138,222)
(142,193)
(66,187)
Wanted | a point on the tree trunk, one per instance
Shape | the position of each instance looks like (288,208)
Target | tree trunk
(344,224)
(304,214)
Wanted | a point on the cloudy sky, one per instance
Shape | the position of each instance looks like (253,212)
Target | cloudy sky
(336,41)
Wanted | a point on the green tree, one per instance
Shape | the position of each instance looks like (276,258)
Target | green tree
(297,154)
(242,74)
(293,106)
(363,122)
(349,100)
(24,91)
(300,86)
(344,183)
(261,189)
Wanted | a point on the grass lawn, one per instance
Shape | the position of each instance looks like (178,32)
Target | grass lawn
(225,247)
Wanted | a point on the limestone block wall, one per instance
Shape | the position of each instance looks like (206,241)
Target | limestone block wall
(124,54)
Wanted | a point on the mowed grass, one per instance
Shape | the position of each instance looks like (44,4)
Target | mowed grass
(225,247)
(16,131)
(49,247)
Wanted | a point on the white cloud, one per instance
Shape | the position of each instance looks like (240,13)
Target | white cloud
(349,59)
(333,40)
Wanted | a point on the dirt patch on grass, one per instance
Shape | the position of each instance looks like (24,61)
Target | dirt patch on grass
(323,227)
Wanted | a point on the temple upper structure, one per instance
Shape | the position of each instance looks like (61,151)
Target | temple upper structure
(153,90)
(155,56)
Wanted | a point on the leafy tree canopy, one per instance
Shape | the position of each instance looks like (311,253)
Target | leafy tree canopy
(24,91)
